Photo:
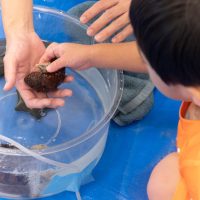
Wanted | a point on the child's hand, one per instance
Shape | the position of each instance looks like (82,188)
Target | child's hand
(75,56)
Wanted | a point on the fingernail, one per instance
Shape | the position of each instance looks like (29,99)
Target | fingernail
(62,103)
(90,32)
(98,38)
(68,93)
(114,40)
(49,69)
(5,88)
(83,19)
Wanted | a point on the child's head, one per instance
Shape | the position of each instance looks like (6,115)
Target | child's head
(168,34)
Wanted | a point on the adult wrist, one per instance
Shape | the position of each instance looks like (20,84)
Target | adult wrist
(18,29)
(16,34)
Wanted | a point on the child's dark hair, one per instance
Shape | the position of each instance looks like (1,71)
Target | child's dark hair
(168,33)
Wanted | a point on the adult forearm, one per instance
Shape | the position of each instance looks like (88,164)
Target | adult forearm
(17,16)
(124,56)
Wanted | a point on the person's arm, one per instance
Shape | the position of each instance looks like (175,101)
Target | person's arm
(18,28)
(124,56)
(17,17)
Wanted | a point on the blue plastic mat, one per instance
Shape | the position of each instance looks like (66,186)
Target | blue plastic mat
(131,151)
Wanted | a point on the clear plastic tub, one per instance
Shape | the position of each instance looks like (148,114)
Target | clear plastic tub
(73,136)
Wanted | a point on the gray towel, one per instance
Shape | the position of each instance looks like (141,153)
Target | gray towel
(137,98)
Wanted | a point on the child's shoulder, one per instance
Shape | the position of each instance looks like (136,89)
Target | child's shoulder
(189,125)
(191,112)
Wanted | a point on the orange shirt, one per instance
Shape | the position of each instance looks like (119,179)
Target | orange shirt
(188,146)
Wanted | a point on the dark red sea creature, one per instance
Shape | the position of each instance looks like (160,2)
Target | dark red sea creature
(42,81)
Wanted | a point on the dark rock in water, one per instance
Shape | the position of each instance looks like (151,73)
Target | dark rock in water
(43,81)
(2,64)
(14,184)
(37,113)
(13,179)
(8,146)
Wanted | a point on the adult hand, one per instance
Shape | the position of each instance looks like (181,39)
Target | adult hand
(115,14)
(23,51)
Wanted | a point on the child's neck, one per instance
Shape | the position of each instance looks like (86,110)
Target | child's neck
(193,112)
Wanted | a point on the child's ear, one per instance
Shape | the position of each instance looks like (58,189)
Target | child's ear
(195,95)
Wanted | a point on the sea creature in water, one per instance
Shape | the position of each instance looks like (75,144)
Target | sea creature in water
(34,147)
(42,81)
(35,112)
